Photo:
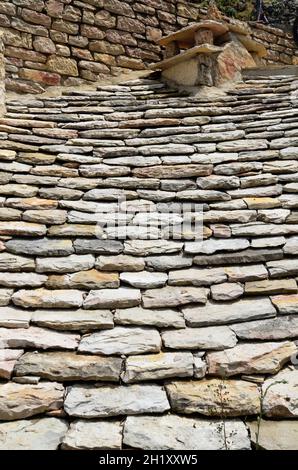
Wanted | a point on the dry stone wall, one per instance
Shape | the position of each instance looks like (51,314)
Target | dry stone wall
(67,42)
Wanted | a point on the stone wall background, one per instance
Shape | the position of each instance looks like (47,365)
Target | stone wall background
(70,42)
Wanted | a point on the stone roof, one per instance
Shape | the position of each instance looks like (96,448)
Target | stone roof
(147,343)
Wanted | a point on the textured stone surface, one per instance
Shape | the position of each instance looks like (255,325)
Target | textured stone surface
(213,397)
(273,329)
(73,319)
(173,297)
(39,338)
(281,397)
(200,338)
(121,298)
(216,313)
(275,435)
(104,306)
(122,340)
(35,434)
(163,318)
(22,401)
(71,367)
(8,359)
(181,433)
(158,366)
(115,400)
(252,358)
(93,435)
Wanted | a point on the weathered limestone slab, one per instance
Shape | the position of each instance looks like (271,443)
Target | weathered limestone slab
(122,340)
(22,279)
(275,435)
(218,313)
(172,432)
(44,298)
(73,319)
(40,247)
(151,247)
(13,263)
(246,273)
(163,318)
(269,287)
(283,268)
(197,277)
(68,264)
(208,247)
(11,317)
(92,279)
(214,397)
(22,401)
(144,279)
(286,304)
(173,296)
(105,401)
(120,263)
(37,338)
(35,434)
(68,366)
(216,338)
(251,358)
(227,291)
(93,435)
(158,366)
(281,400)
(123,297)
(8,359)
(268,330)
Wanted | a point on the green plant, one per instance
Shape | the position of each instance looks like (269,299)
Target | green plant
(261,414)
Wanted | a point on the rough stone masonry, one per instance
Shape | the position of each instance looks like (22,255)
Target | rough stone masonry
(73,42)
(110,342)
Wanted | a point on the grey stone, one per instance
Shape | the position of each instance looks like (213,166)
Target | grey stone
(275,435)
(12,263)
(93,435)
(163,318)
(250,358)
(246,273)
(105,401)
(122,340)
(73,319)
(216,314)
(72,367)
(38,338)
(123,297)
(227,291)
(211,246)
(197,277)
(268,330)
(66,264)
(40,247)
(151,247)
(172,432)
(281,395)
(11,317)
(216,338)
(22,279)
(171,296)
(157,367)
(36,434)
(144,279)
